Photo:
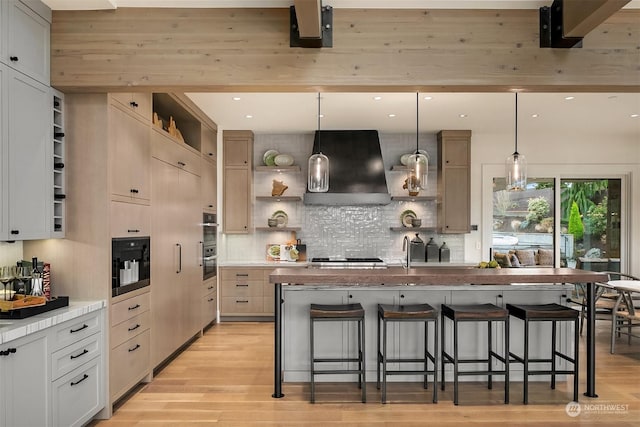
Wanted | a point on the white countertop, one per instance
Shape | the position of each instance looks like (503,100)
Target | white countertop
(11,329)
(262,263)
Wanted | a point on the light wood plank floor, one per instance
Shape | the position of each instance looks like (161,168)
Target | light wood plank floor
(225,379)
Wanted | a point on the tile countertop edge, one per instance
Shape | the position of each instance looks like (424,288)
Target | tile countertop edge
(13,329)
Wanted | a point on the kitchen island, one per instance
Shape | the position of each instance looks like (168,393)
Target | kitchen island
(462,279)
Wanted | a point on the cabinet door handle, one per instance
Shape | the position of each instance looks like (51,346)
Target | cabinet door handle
(73,331)
(134,348)
(210,287)
(210,206)
(244,301)
(133,328)
(85,351)
(182,164)
(133,231)
(134,307)
(84,377)
(8,351)
(179,257)
(242,285)
(15,231)
(242,274)
(210,299)
(134,190)
(211,154)
(133,104)
(13,58)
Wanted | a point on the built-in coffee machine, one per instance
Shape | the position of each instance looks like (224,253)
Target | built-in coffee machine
(130,264)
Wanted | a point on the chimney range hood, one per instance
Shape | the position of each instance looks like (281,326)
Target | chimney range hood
(356,172)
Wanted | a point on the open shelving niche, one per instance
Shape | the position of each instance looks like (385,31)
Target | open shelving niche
(286,199)
(407,198)
(167,106)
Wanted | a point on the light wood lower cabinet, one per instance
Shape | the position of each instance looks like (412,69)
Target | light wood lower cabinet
(246,292)
(130,342)
(209,301)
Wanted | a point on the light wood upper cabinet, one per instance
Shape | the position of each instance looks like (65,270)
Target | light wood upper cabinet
(209,186)
(237,181)
(454,182)
(136,103)
(28,40)
(130,156)
(209,143)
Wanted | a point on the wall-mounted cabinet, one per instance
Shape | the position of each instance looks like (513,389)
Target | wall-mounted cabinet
(26,30)
(135,103)
(237,181)
(26,194)
(454,181)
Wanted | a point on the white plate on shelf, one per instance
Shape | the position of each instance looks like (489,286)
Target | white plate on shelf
(406,217)
(281,217)
(269,157)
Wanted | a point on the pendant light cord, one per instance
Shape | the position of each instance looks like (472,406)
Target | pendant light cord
(417,122)
(319,150)
(516,152)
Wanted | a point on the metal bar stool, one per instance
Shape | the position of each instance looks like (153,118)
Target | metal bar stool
(338,313)
(408,313)
(553,313)
(476,313)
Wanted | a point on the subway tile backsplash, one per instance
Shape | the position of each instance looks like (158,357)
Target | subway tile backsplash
(339,230)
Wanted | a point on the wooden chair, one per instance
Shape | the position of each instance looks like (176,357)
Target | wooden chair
(605,297)
(626,311)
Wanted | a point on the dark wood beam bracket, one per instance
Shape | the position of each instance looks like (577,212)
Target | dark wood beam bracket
(326,30)
(552,28)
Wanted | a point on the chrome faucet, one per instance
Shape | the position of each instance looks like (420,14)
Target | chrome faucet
(406,247)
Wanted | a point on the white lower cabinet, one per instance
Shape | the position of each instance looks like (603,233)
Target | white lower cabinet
(77,396)
(25,375)
(54,377)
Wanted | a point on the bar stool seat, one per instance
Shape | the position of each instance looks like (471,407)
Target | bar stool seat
(408,313)
(338,313)
(476,313)
(554,313)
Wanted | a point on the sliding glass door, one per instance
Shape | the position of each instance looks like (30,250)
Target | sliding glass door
(583,230)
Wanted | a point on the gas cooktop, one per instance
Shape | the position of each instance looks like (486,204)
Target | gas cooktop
(351,262)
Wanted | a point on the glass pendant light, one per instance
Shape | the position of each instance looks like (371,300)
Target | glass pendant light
(318,179)
(516,165)
(417,164)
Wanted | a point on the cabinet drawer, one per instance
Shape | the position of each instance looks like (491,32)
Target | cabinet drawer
(128,329)
(137,103)
(268,302)
(209,306)
(130,362)
(77,329)
(241,275)
(166,149)
(130,220)
(241,305)
(209,286)
(241,289)
(129,308)
(77,396)
(71,357)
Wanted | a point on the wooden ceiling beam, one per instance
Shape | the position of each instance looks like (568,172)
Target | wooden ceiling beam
(581,16)
(309,16)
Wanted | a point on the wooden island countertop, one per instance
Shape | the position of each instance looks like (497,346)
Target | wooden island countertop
(425,276)
(434,276)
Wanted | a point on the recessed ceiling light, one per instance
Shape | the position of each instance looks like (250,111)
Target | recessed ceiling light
(569,98)
(321,116)
(462,116)
(635,115)
(377,98)
(248,116)
(236,98)
(535,116)
(428,98)
(392,115)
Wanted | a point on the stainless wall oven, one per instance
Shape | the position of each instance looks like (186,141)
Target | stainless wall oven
(209,250)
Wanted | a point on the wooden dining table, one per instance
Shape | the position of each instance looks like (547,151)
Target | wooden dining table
(424,277)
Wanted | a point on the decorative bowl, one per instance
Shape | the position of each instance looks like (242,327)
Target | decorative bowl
(283,160)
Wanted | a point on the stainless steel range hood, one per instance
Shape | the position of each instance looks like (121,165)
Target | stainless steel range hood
(356,170)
